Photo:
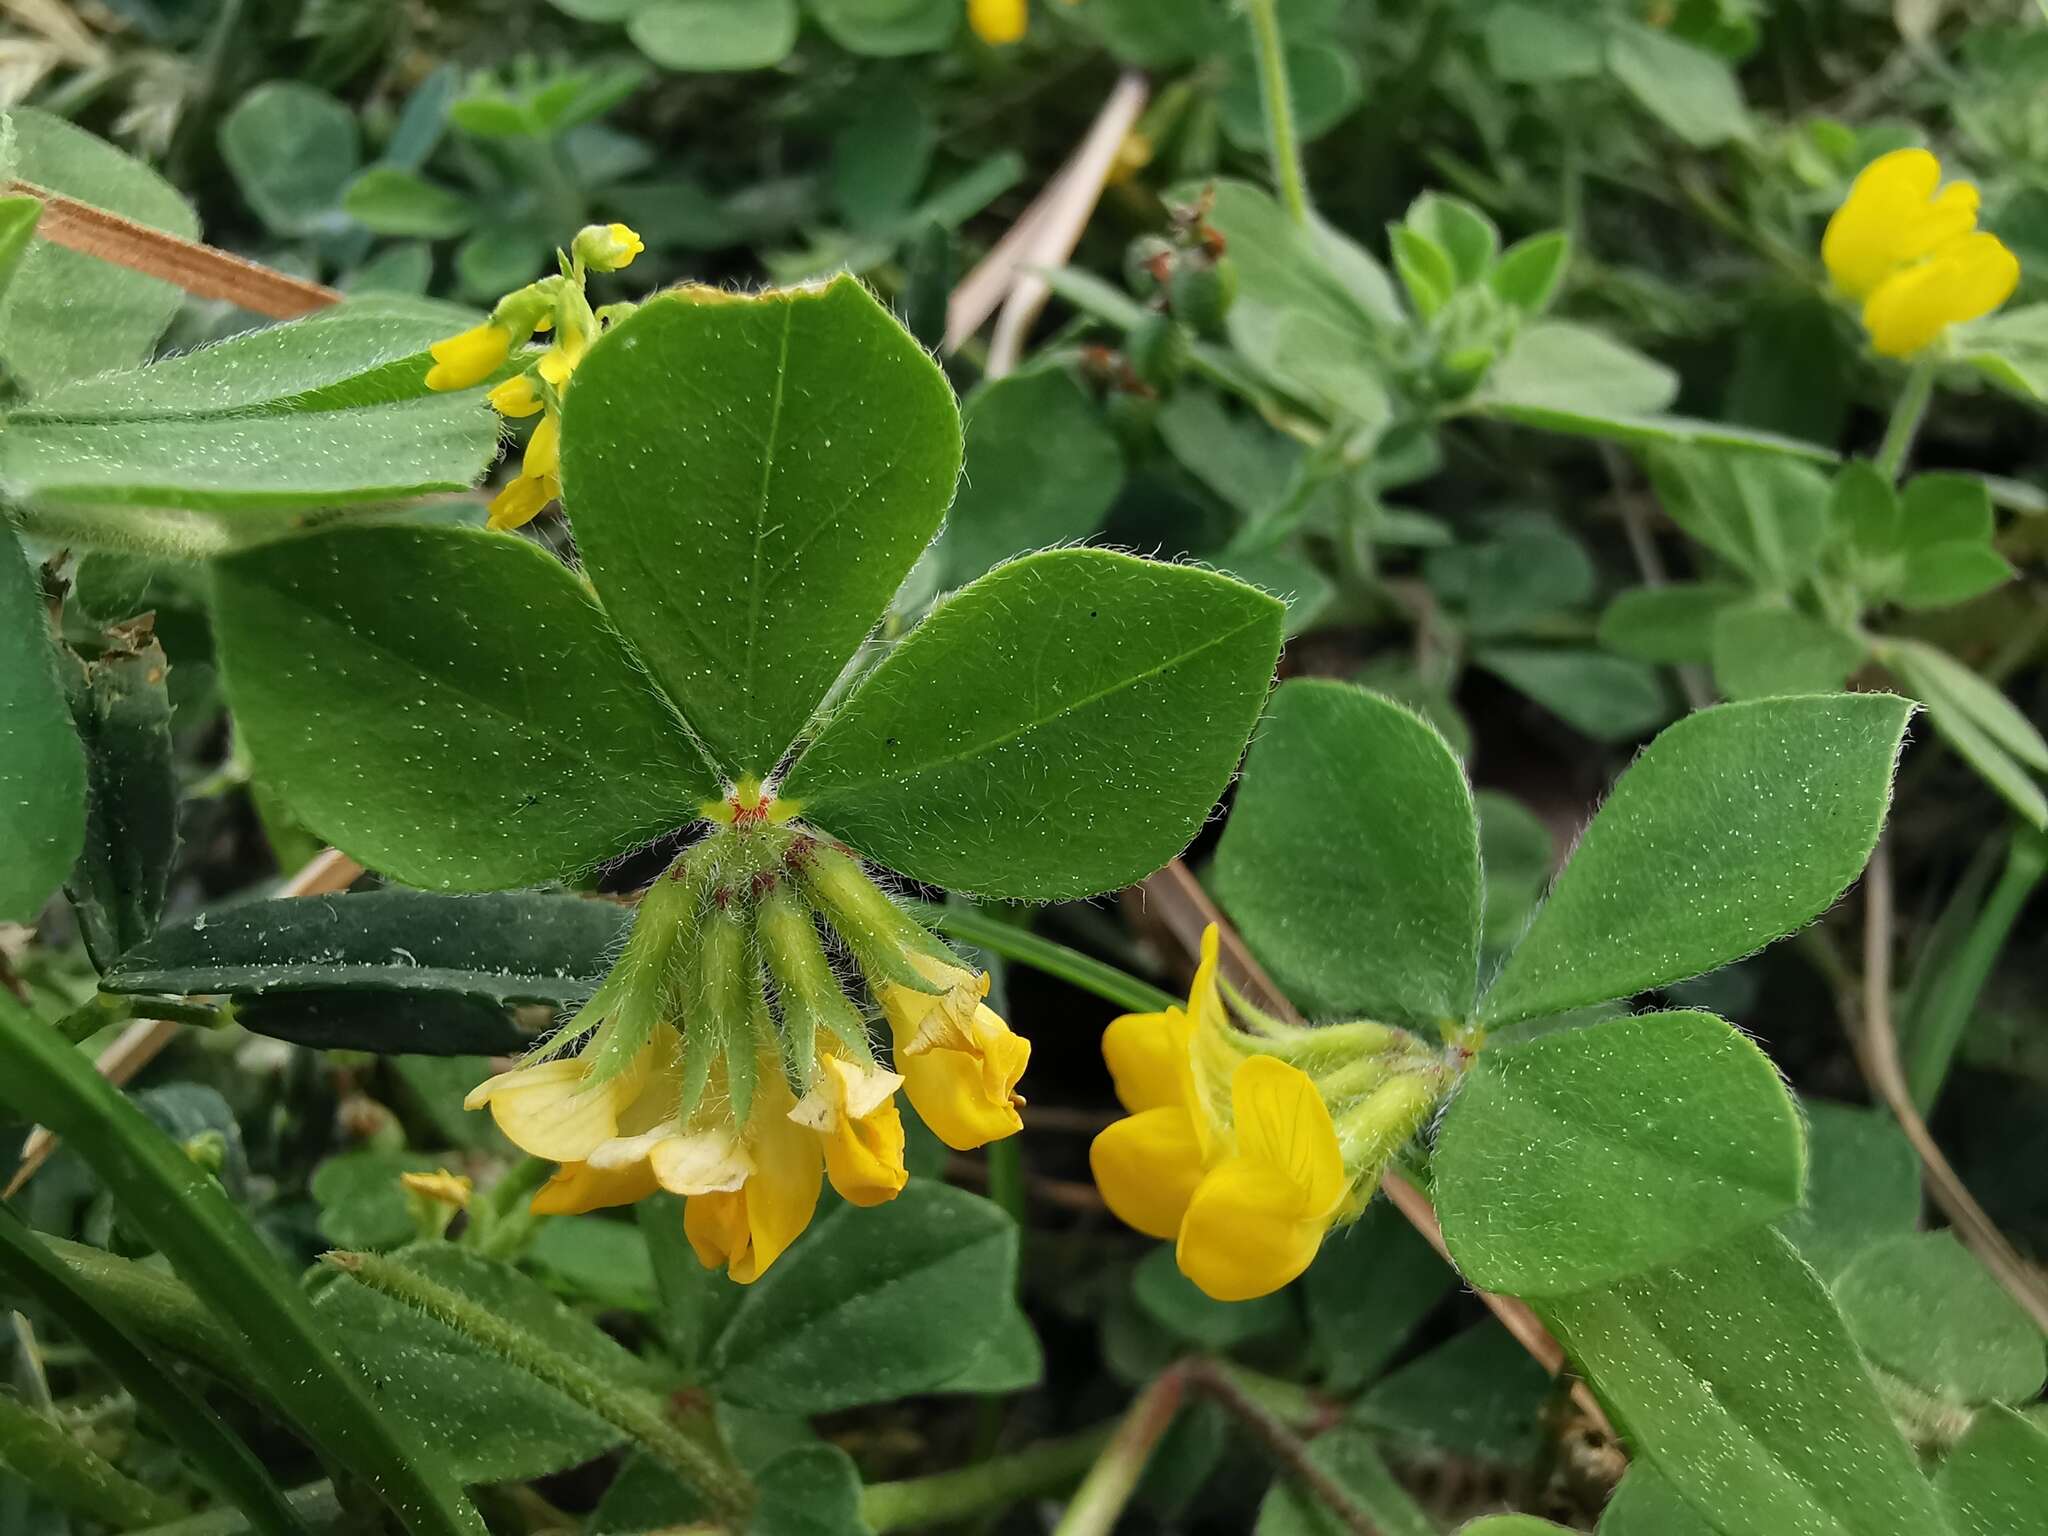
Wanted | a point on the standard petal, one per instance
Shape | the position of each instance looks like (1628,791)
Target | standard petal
(1862,242)
(553,1111)
(1147,1054)
(1244,1234)
(1147,1167)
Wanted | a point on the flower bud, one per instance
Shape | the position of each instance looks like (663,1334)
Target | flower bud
(606,247)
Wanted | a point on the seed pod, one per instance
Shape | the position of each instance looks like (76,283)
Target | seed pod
(1158,347)
(1202,292)
(1148,264)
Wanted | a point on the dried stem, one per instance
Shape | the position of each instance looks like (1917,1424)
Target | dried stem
(1877,1053)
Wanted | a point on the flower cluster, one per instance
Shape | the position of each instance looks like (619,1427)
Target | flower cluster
(1909,251)
(722,1059)
(1246,1146)
(554,304)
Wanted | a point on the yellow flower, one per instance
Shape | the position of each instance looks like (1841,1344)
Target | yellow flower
(1908,249)
(578,1187)
(1257,1218)
(443,1187)
(463,361)
(516,397)
(747,1228)
(539,480)
(853,1111)
(554,1110)
(999,22)
(960,1062)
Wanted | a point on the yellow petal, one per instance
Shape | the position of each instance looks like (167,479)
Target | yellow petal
(578,1187)
(552,1111)
(559,361)
(1966,278)
(516,397)
(443,1187)
(1281,1121)
(1147,1167)
(1245,1234)
(716,1226)
(1860,245)
(999,22)
(782,1195)
(521,501)
(469,358)
(544,449)
(969,1097)
(1145,1052)
(699,1162)
(853,1111)
(922,1020)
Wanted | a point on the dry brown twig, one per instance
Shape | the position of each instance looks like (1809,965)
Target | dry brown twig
(1876,1046)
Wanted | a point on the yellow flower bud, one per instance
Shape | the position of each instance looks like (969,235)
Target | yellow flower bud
(443,1187)
(466,360)
(606,247)
(516,397)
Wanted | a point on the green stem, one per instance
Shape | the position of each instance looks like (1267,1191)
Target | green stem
(993,1485)
(144,1300)
(1014,943)
(1277,100)
(635,1412)
(187,536)
(501,1219)
(1940,1030)
(72,1477)
(1106,1490)
(1907,415)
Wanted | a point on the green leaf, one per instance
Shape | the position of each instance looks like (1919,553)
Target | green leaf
(1646,1505)
(1940,509)
(1646,431)
(362,1203)
(1176,1304)
(1610,698)
(1560,367)
(1511,1525)
(174,1409)
(393,201)
(1734,827)
(1458,229)
(1943,575)
(1477,1398)
(2011,349)
(1424,268)
(880,159)
(709,36)
(1352,1461)
(1010,1361)
(1058,729)
(1769,516)
(448,706)
(1921,1305)
(467,1409)
(871,1305)
(1370,1286)
(888,28)
(362,352)
(1977,720)
(1687,89)
(1580,1157)
(750,479)
(811,1491)
(185,1213)
(1995,1482)
(19,215)
(1732,1376)
(1530,271)
(508,947)
(1351,859)
(1042,469)
(253,463)
(65,314)
(1533,44)
(1862,1184)
(1763,648)
(42,769)
(1673,623)
(292,149)
(1324,85)
(123,714)
(1313,277)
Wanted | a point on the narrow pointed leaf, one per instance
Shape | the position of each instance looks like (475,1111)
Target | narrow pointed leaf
(42,769)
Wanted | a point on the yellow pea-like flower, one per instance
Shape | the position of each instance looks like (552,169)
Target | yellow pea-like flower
(467,359)
(999,22)
(606,247)
(747,1229)
(516,397)
(555,1110)
(853,1111)
(539,481)
(577,1187)
(1258,1217)
(1908,249)
(960,1062)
